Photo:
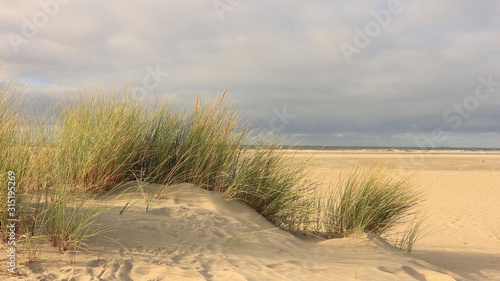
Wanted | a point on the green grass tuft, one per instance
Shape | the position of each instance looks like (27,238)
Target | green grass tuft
(367,201)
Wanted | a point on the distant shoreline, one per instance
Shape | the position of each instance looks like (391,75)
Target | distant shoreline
(360,149)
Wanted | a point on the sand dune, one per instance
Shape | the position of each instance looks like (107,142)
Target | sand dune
(193,234)
(462,192)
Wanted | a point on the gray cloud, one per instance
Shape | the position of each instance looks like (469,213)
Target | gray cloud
(276,54)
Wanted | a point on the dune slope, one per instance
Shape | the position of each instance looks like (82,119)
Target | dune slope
(193,234)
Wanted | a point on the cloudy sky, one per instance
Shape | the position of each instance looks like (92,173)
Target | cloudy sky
(376,73)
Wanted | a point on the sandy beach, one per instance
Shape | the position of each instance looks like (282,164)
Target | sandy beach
(461,201)
(193,234)
(250,140)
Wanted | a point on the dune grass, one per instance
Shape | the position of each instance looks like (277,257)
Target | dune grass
(367,201)
(209,146)
(46,208)
(99,140)
(198,146)
(102,139)
(406,237)
(284,200)
(14,155)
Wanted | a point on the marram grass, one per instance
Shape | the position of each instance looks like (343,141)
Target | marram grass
(406,240)
(367,201)
(99,140)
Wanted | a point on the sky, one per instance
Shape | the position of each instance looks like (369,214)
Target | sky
(418,73)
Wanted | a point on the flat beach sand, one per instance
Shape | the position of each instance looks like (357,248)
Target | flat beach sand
(192,234)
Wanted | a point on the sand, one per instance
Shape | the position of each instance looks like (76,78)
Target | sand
(193,234)
(462,192)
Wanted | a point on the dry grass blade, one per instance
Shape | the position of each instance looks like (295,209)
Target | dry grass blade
(222,96)
(414,232)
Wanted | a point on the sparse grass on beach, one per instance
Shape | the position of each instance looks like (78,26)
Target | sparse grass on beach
(367,201)
(406,240)
(67,217)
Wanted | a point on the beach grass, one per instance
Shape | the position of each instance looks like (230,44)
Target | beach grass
(370,200)
(14,155)
(101,139)
(285,199)
(199,146)
(406,240)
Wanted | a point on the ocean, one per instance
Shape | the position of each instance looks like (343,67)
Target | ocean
(391,149)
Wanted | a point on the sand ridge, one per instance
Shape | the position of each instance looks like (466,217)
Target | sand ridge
(193,234)
(186,235)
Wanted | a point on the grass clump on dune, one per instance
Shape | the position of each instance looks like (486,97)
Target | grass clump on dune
(210,147)
(200,146)
(14,153)
(285,199)
(99,140)
(7,131)
(367,201)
